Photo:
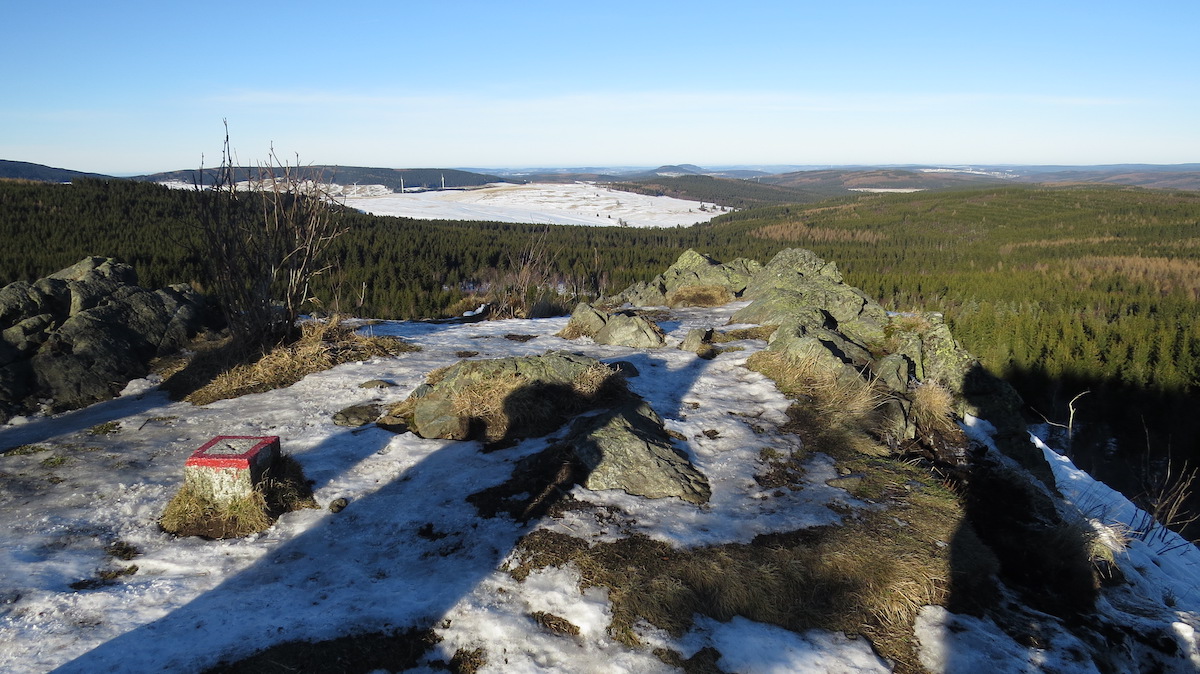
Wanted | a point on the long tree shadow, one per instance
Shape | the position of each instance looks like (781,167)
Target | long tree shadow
(1013,532)
(423,540)
(1123,434)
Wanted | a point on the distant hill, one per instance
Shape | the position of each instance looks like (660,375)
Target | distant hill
(23,170)
(1157,176)
(840,181)
(681,170)
(430,178)
(728,192)
(1168,177)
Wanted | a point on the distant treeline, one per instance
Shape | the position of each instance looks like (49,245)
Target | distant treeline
(384,267)
(1059,290)
(723,191)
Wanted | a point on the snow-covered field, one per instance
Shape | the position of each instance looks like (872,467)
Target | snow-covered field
(541,203)
(577,203)
(317,575)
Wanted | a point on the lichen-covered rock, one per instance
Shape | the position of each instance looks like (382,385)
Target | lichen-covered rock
(585,321)
(358,415)
(936,356)
(630,330)
(508,398)
(690,269)
(627,448)
(79,335)
(895,371)
(96,351)
(812,282)
(697,340)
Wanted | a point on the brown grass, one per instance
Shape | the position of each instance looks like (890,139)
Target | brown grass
(699,296)
(189,514)
(933,408)
(870,577)
(282,490)
(574,330)
(910,322)
(322,345)
(843,400)
(761,332)
(487,401)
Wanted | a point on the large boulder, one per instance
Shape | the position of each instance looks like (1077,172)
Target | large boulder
(79,335)
(628,448)
(508,398)
(623,328)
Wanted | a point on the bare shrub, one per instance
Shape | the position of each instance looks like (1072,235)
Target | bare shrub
(262,248)
(1165,497)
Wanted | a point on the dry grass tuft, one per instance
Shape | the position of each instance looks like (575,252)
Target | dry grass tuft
(597,382)
(699,296)
(761,332)
(910,322)
(487,400)
(190,514)
(574,330)
(283,489)
(933,408)
(322,345)
(843,400)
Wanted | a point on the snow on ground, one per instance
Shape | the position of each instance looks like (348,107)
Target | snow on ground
(541,203)
(577,203)
(318,575)
(1162,589)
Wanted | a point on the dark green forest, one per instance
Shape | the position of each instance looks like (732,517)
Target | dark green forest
(1059,290)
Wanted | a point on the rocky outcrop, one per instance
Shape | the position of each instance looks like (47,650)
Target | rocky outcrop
(692,269)
(622,328)
(79,335)
(624,446)
(823,320)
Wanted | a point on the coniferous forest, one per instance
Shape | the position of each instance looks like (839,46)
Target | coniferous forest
(1059,290)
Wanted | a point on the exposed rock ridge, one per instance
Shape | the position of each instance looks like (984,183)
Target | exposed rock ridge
(79,335)
(821,318)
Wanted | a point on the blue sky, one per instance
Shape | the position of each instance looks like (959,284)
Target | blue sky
(133,87)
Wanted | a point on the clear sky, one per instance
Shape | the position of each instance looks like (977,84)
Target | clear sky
(136,87)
